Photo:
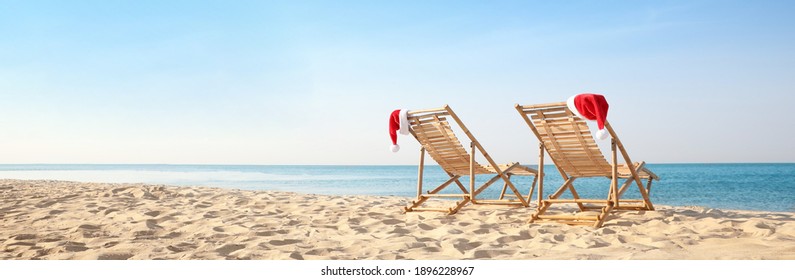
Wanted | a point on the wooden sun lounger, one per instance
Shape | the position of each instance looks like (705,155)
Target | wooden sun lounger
(432,129)
(570,145)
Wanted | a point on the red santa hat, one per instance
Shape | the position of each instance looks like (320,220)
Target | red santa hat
(398,122)
(591,107)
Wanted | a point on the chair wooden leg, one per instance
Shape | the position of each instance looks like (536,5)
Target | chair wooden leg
(419,172)
(460,185)
(433,193)
(504,189)
(505,175)
(576,196)
(644,192)
(614,172)
(540,174)
(543,204)
(532,188)
(603,215)
(472,192)
(595,221)
(646,198)
(569,185)
(458,206)
(516,192)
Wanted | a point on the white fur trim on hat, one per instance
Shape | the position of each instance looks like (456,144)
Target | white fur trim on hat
(600,134)
(573,108)
(404,122)
(395,148)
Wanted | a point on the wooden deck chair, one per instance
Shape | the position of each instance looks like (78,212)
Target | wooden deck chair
(432,129)
(569,143)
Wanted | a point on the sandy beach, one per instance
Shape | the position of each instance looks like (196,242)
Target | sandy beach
(71,220)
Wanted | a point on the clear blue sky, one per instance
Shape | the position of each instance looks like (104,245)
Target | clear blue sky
(303,82)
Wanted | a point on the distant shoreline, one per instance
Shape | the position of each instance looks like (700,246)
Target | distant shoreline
(723,186)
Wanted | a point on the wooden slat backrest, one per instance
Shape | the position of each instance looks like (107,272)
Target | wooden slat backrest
(434,133)
(568,140)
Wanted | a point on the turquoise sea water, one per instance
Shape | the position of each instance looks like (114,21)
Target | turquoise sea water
(768,187)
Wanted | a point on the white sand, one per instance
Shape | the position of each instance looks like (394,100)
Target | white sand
(70,220)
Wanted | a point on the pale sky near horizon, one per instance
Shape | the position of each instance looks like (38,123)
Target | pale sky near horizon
(313,82)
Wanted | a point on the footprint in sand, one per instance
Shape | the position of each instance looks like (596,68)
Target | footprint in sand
(400,231)
(360,230)
(46,204)
(152,213)
(392,221)
(425,226)
(115,256)
(375,215)
(181,247)
(240,202)
(589,243)
(284,242)
(488,254)
(52,238)
(204,205)
(481,231)
(90,231)
(88,227)
(272,233)
(426,239)
(354,221)
(68,197)
(463,245)
(152,224)
(432,249)
(144,235)
(117,190)
(28,244)
(318,252)
(70,246)
(514,238)
(757,228)
(24,236)
(228,249)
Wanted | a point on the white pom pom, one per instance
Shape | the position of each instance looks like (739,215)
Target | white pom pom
(601,134)
(395,148)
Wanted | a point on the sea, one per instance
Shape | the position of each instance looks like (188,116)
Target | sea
(740,186)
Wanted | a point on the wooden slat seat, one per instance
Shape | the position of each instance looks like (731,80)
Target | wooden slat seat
(432,130)
(568,141)
(519,170)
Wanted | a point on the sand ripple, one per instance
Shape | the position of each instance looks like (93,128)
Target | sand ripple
(69,220)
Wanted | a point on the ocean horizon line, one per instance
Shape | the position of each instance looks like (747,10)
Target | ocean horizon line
(718,185)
